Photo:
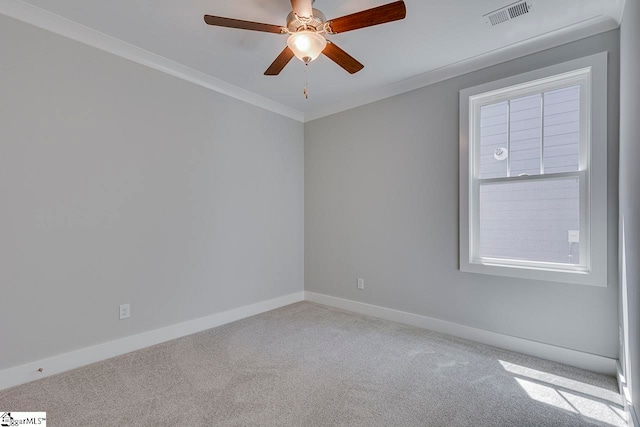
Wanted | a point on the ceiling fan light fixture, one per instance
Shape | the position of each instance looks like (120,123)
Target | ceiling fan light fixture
(307,27)
(306,45)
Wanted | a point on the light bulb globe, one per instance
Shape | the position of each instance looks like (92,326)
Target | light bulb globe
(306,45)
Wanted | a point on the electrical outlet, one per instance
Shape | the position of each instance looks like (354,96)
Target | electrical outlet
(125,311)
(360,284)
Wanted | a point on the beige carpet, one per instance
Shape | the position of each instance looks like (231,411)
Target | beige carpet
(311,365)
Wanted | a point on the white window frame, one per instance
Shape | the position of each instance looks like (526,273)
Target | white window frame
(591,74)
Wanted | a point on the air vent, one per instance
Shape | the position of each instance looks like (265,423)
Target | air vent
(518,9)
(499,17)
(508,13)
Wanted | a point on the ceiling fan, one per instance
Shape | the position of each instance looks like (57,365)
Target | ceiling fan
(307,28)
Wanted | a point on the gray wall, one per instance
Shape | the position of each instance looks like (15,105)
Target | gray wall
(123,184)
(381,203)
(630,187)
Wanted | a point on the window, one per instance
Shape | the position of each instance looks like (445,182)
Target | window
(533,175)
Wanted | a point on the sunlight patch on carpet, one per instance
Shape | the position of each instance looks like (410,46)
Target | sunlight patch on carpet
(589,401)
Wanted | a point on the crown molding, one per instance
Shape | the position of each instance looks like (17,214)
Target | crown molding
(57,24)
(587,28)
(622,10)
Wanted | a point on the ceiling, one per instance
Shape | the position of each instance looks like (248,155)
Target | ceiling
(435,34)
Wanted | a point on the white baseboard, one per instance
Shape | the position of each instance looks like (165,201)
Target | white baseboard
(54,365)
(567,356)
(29,372)
(632,417)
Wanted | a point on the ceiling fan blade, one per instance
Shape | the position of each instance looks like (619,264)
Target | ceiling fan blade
(281,61)
(367,18)
(342,58)
(219,21)
(302,8)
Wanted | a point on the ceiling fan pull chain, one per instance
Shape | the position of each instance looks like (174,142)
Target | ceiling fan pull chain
(306,80)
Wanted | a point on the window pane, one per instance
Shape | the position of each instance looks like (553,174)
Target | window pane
(526,135)
(493,138)
(562,130)
(532,220)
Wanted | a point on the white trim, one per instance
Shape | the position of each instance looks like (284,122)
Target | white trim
(622,10)
(593,160)
(49,21)
(54,365)
(57,24)
(562,36)
(623,385)
(563,355)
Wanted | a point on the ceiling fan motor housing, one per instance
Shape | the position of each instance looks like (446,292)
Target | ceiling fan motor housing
(316,22)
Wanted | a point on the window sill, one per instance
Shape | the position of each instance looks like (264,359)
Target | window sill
(577,276)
